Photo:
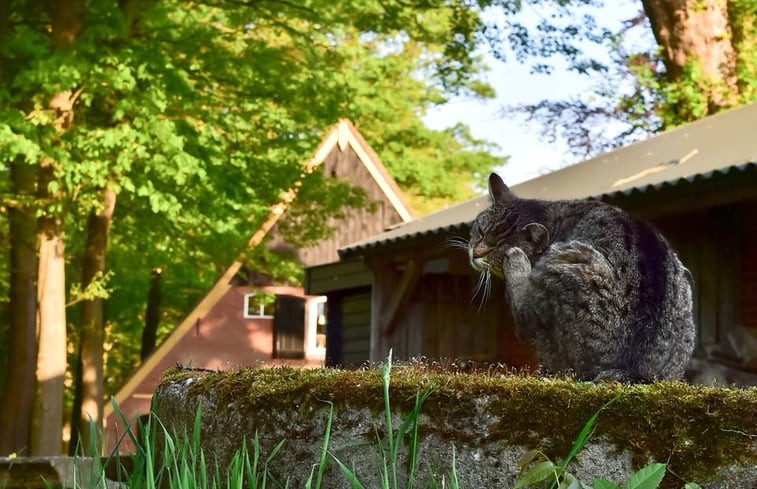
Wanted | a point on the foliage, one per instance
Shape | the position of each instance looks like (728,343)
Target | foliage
(556,475)
(198,115)
(96,289)
(634,93)
(177,461)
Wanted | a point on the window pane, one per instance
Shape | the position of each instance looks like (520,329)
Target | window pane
(320,325)
(260,304)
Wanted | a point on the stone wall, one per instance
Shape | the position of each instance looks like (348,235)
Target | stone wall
(706,435)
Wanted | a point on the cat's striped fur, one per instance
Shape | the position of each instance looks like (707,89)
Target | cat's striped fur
(593,289)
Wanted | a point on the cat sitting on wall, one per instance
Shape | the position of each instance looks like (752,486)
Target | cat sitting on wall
(593,289)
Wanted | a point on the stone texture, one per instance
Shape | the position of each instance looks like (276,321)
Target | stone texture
(481,418)
(51,473)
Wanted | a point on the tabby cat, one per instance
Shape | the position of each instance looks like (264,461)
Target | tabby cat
(593,289)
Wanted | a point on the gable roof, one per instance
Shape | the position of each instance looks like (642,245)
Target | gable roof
(723,143)
(345,133)
(342,134)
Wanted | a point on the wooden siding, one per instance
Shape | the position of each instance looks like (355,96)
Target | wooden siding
(442,318)
(338,276)
(709,244)
(357,224)
(748,268)
(356,328)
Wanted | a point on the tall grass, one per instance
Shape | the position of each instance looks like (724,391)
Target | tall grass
(165,460)
(389,447)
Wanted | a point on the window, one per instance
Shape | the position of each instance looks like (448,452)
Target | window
(320,325)
(316,328)
(259,305)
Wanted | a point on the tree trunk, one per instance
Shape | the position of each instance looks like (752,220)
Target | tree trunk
(152,315)
(18,393)
(697,33)
(89,369)
(47,411)
(93,332)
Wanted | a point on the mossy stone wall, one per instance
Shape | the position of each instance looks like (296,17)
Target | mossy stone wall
(705,434)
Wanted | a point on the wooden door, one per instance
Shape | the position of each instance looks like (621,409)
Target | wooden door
(289,327)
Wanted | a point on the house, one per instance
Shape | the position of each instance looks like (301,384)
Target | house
(245,318)
(406,290)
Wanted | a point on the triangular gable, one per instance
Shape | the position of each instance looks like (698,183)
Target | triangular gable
(341,134)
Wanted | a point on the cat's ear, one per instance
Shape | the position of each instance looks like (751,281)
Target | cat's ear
(498,191)
(537,235)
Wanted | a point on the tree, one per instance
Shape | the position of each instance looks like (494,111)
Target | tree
(177,104)
(18,391)
(701,58)
(708,49)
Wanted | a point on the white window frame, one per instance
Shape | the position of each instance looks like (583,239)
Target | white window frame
(247,314)
(312,329)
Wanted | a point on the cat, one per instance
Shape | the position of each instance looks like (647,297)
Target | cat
(593,289)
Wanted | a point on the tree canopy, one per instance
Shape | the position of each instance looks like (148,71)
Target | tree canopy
(181,123)
(674,62)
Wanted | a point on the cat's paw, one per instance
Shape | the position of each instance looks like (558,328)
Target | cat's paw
(612,375)
(516,262)
(581,258)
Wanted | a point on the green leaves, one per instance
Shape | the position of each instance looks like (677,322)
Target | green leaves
(539,472)
(557,476)
(648,477)
(605,484)
(200,115)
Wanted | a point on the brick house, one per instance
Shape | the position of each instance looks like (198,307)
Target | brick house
(245,319)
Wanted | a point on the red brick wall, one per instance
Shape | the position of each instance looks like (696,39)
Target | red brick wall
(223,339)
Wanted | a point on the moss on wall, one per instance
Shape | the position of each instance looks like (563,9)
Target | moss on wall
(697,430)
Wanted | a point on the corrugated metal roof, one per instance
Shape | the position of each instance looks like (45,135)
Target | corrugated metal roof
(718,144)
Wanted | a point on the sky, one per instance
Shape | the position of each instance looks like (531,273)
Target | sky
(529,156)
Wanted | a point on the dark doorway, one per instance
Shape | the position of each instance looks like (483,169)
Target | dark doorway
(289,327)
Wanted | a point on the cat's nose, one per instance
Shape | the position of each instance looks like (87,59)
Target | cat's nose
(479,251)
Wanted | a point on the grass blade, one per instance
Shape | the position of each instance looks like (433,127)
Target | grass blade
(413,417)
(584,435)
(350,475)
(322,463)
(126,423)
(386,370)
(453,484)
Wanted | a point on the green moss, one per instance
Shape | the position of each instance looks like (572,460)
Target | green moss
(697,430)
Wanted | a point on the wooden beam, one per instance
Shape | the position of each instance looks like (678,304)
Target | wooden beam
(401,296)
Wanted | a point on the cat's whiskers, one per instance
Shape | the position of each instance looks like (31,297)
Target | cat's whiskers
(483,286)
(488,289)
(456,242)
(477,286)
